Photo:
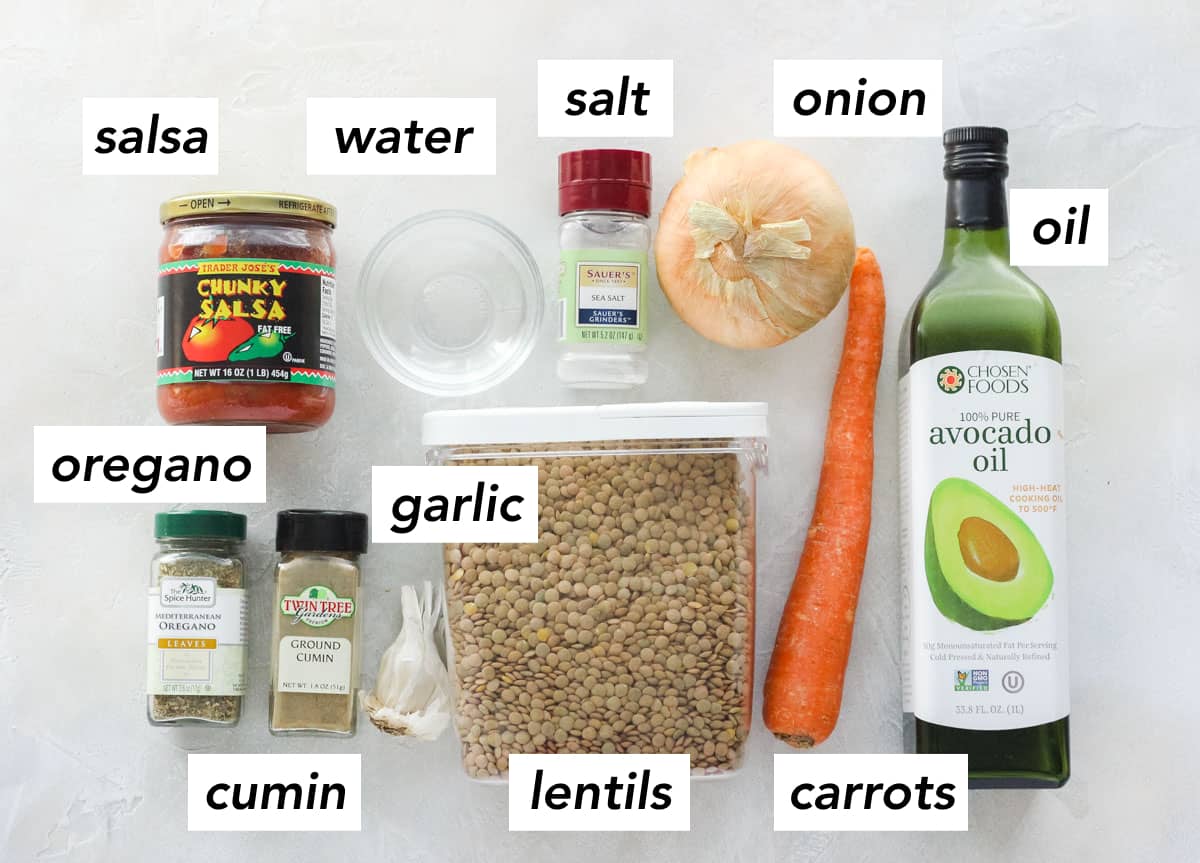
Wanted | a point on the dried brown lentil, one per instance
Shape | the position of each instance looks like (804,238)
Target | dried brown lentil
(626,627)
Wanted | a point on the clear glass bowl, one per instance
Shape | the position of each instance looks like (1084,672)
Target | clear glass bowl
(450,302)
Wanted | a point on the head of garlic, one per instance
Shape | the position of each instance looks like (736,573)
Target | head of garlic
(411,697)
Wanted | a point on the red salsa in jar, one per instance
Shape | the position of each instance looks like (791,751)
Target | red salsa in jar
(246,313)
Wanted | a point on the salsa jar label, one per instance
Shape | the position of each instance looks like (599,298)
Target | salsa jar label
(246,320)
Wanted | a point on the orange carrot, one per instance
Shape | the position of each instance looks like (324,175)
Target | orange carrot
(803,692)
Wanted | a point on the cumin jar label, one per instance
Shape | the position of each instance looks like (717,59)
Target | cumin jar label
(315,664)
(246,320)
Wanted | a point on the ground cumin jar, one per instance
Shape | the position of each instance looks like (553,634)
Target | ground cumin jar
(315,646)
(246,312)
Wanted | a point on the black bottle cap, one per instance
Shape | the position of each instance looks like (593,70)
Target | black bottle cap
(975,151)
(321,530)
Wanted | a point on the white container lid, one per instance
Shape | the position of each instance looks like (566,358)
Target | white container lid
(582,423)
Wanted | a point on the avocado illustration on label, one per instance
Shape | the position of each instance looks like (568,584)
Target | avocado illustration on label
(259,346)
(986,569)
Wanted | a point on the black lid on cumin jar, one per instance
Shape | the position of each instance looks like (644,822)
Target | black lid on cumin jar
(321,530)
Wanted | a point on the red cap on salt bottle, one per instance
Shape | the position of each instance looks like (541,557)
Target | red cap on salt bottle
(604,180)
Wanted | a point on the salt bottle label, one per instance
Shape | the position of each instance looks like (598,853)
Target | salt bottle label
(602,296)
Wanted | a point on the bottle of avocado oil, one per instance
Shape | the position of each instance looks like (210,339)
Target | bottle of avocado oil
(983,536)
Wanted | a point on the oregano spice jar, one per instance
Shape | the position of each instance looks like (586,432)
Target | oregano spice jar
(196,630)
(315,645)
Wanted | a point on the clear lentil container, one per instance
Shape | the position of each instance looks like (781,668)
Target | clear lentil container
(629,626)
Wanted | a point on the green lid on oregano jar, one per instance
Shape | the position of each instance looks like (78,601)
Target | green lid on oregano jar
(208,523)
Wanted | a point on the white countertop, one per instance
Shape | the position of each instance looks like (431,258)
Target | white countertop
(1095,94)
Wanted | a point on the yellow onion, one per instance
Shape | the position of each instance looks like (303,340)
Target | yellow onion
(755,244)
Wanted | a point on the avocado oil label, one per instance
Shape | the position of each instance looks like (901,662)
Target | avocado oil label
(983,540)
(247,321)
(602,295)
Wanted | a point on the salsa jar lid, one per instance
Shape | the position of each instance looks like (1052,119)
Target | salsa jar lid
(266,203)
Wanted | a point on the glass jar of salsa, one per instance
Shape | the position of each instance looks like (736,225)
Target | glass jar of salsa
(246,313)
